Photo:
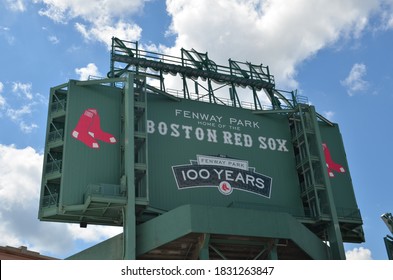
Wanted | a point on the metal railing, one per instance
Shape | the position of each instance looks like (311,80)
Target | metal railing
(58,106)
(50,200)
(56,135)
(53,166)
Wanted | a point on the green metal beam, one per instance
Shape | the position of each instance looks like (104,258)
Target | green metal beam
(217,252)
(156,90)
(191,72)
(333,228)
(204,251)
(65,85)
(129,210)
(388,240)
(278,111)
(109,249)
(322,118)
(219,220)
(100,81)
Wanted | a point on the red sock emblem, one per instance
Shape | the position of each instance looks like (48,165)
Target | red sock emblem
(96,132)
(330,164)
(88,130)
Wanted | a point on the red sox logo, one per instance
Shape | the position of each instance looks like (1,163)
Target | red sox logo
(330,164)
(88,130)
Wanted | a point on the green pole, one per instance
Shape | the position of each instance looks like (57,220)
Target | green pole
(129,234)
(333,229)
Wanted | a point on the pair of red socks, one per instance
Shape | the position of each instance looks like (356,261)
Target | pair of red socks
(88,130)
(331,165)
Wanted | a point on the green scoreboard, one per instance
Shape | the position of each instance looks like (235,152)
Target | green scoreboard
(121,152)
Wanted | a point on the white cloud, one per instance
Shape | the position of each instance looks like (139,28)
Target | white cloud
(53,39)
(3,102)
(97,20)
(16,5)
(93,233)
(90,70)
(89,10)
(278,33)
(18,116)
(329,114)
(5,32)
(27,128)
(21,105)
(358,254)
(22,89)
(355,81)
(104,33)
(386,15)
(20,173)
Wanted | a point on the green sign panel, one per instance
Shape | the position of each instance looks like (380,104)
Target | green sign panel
(197,153)
(338,171)
(202,153)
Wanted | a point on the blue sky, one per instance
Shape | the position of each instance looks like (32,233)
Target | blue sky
(337,53)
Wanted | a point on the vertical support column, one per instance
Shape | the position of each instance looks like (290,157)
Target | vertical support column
(388,240)
(204,251)
(273,252)
(129,223)
(333,228)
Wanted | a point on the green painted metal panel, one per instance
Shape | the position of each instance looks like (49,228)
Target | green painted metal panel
(111,249)
(83,162)
(217,158)
(194,147)
(220,220)
(195,218)
(339,173)
(81,174)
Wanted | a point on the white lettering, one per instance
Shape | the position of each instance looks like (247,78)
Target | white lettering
(262,141)
(239,177)
(218,173)
(247,140)
(227,137)
(228,175)
(250,179)
(207,173)
(199,134)
(244,123)
(187,130)
(187,114)
(211,135)
(162,128)
(281,143)
(150,126)
(177,112)
(175,132)
(192,174)
(238,141)
(272,144)
(260,183)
